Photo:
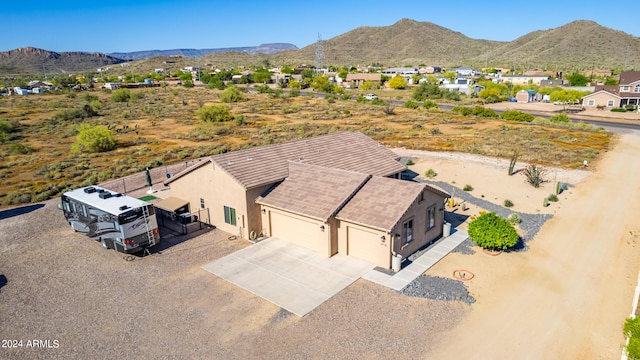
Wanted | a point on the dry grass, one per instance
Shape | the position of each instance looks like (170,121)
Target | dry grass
(161,127)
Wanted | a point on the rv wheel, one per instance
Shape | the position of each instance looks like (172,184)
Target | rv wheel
(104,244)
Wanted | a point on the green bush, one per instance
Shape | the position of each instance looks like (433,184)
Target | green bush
(410,162)
(490,231)
(553,198)
(231,94)
(545,202)
(508,203)
(514,115)
(410,104)
(632,331)
(93,139)
(430,173)
(619,110)
(560,118)
(468,188)
(121,95)
(20,149)
(214,113)
(430,104)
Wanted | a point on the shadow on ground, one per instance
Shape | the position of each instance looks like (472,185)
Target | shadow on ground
(5,214)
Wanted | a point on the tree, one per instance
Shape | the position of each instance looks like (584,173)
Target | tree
(231,94)
(321,83)
(261,76)
(398,83)
(426,90)
(577,79)
(490,231)
(93,139)
(214,113)
(286,70)
(450,75)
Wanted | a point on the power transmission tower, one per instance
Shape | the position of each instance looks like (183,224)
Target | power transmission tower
(319,54)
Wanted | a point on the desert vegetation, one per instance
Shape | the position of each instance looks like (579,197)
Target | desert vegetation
(46,149)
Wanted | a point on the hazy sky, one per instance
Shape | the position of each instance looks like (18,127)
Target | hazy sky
(123,26)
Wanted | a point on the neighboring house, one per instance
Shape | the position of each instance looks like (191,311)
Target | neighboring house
(302,191)
(430,70)
(460,84)
(112,86)
(605,96)
(400,71)
(464,71)
(526,96)
(357,79)
(521,79)
(627,93)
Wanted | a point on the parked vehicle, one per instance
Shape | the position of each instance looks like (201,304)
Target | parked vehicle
(119,222)
(371,96)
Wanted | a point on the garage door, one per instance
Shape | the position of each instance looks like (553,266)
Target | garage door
(366,245)
(298,231)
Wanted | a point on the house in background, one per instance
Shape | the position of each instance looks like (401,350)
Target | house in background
(335,193)
(357,79)
(609,96)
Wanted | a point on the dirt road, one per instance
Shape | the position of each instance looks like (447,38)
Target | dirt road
(568,295)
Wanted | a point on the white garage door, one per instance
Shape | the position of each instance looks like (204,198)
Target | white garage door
(298,231)
(367,246)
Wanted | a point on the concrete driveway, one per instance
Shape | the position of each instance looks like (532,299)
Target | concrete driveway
(290,276)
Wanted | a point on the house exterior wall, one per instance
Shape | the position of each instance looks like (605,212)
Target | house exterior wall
(418,214)
(600,99)
(218,190)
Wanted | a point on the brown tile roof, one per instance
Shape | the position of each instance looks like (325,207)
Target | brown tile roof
(265,165)
(628,77)
(612,89)
(314,191)
(382,202)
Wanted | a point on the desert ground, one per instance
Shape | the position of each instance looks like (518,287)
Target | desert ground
(565,296)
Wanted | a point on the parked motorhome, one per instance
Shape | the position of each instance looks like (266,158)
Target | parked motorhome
(118,221)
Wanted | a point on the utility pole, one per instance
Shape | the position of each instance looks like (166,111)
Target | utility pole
(319,54)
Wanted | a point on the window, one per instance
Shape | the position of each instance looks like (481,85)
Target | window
(230,215)
(431,218)
(610,103)
(625,88)
(591,102)
(407,232)
(636,89)
(202,203)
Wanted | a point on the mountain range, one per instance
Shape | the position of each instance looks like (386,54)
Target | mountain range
(578,45)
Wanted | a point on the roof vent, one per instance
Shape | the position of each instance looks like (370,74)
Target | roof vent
(123,207)
(117,195)
(229,162)
(89,190)
(105,195)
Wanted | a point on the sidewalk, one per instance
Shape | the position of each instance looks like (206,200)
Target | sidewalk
(403,277)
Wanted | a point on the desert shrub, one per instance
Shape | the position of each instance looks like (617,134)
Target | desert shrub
(512,162)
(534,174)
(559,118)
(619,110)
(294,91)
(435,131)
(553,197)
(214,113)
(388,109)
(20,149)
(416,126)
(430,104)
(451,95)
(430,173)
(508,203)
(462,110)
(121,95)
(93,139)
(240,119)
(345,97)
(468,188)
(514,115)
(631,329)
(514,218)
(490,231)
(231,94)
(410,104)
(545,202)
(16,197)
(410,162)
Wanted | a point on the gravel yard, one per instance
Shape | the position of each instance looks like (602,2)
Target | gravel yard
(91,303)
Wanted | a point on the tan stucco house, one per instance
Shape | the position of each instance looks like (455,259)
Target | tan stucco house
(609,96)
(335,193)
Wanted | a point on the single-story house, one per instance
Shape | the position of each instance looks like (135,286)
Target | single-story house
(335,193)
(357,79)
(521,79)
(602,98)
(526,96)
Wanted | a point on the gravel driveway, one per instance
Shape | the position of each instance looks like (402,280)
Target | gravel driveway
(80,302)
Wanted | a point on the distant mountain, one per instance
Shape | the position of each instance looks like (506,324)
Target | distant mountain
(31,60)
(260,49)
(579,44)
